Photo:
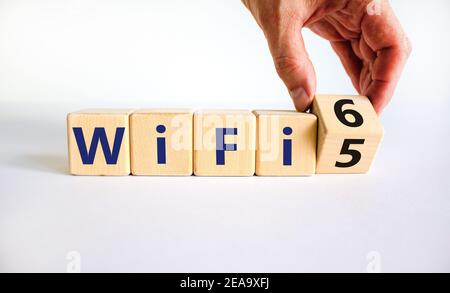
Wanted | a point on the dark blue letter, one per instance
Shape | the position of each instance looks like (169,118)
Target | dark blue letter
(99,135)
(287,148)
(161,145)
(221,146)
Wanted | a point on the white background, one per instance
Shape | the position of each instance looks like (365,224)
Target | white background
(57,56)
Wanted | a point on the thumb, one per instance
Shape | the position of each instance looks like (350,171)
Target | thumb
(293,64)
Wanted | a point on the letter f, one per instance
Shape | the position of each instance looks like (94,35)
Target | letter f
(221,146)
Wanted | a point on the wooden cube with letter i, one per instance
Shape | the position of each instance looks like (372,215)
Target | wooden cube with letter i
(286,143)
(349,134)
(98,142)
(161,142)
(224,143)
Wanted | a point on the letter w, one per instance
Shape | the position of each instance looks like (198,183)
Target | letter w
(99,135)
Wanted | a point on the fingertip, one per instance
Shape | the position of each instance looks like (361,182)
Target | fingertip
(302,100)
(378,105)
(378,110)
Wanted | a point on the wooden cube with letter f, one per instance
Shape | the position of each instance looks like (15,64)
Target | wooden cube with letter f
(349,133)
(224,143)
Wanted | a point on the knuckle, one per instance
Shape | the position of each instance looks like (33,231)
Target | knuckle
(404,46)
(270,19)
(285,65)
(408,46)
(277,13)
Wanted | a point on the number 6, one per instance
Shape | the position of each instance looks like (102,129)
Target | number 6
(341,114)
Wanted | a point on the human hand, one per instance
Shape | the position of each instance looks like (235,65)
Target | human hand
(365,34)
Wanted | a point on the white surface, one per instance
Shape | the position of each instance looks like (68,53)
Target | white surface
(58,56)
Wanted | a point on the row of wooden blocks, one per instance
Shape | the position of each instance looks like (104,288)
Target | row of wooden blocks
(340,135)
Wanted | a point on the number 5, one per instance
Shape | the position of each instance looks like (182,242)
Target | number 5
(356,155)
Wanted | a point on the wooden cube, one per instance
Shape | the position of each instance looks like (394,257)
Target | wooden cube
(349,133)
(286,143)
(224,143)
(98,142)
(161,142)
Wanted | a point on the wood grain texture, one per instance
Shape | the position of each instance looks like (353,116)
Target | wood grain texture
(335,132)
(178,139)
(272,127)
(88,120)
(236,163)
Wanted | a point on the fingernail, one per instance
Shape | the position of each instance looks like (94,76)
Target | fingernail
(300,98)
